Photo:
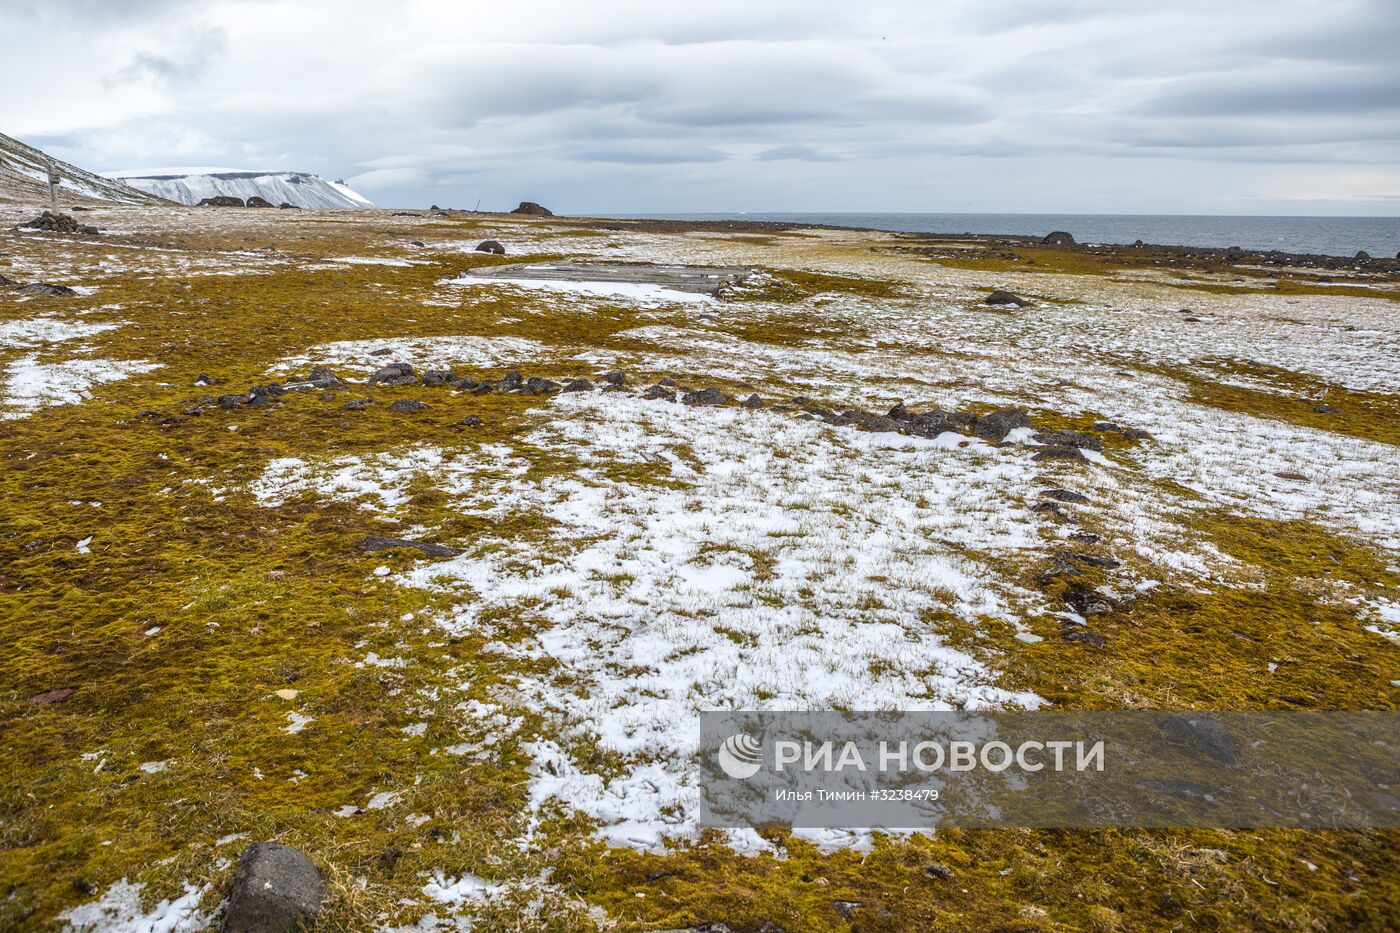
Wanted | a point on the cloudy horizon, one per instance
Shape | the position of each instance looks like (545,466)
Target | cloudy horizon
(1022,107)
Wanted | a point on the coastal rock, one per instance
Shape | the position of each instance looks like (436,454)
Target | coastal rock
(998,424)
(530,207)
(1057,238)
(395,374)
(490,246)
(1362,256)
(275,890)
(222,200)
(1006,298)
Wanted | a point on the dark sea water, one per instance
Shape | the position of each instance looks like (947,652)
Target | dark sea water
(1338,236)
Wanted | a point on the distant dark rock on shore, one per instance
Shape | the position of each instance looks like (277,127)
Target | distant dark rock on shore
(258,201)
(1006,298)
(530,207)
(490,246)
(222,200)
(1057,238)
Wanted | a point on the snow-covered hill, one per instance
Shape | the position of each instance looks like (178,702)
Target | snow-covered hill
(190,186)
(24,180)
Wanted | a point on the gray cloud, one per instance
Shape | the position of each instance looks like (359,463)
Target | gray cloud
(623,105)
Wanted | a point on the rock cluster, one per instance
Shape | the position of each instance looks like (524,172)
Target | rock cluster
(222,200)
(58,223)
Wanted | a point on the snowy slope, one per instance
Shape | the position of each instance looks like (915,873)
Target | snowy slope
(24,179)
(192,186)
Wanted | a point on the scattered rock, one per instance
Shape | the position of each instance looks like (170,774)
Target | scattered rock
(407,406)
(405,214)
(7,283)
(1059,453)
(938,870)
(879,424)
(659,392)
(50,697)
(1203,734)
(47,290)
(437,377)
(1078,635)
(613,380)
(1057,238)
(1066,495)
(1105,426)
(998,424)
(1296,477)
(222,200)
(395,374)
(1363,256)
(898,412)
(57,223)
(753,401)
(1137,434)
(705,397)
(511,381)
(271,390)
(847,909)
(356,404)
(1326,410)
(288,206)
(530,207)
(258,201)
(1068,439)
(323,377)
(490,246)
(577,385)
(1087,601)
(1093,560)
(276,890)
(535,385)
(232,401)
(376,543)
(471,421)
(1006,298)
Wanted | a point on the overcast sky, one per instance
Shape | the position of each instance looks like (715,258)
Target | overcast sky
(1173,106)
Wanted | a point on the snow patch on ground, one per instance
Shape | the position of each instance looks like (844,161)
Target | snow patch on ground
(422,352)
(119,910)
(30,385)
(637,292)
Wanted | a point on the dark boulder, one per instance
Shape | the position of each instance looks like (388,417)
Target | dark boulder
(271,390)
(538,386)
(1059,453)
(1057,238)
(1085,638)
(1087,601)
(232,401)
(490,246)
(395,374)
(511,381)
(376,543)
(222,200)
(1006,298)
(1068,439)
(898,412)
(322,377)
(256,201)
(753,401)
(471,421)
(47,290)
(530,207)
(288,206)
(1326,410)
(1363,256)
(930,424)
(659,392)
(577,385)
(1066,495)
(705,397)
(437,377)
(613,380)
(407,406)
(356,404)
(7,283)
(465,383)
(879,424)
(998,424)
(1205,735)
(275,890)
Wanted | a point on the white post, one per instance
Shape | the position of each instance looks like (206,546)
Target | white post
(53,187)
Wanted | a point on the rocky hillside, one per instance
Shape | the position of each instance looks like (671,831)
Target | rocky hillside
(24,172)
(301,189)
